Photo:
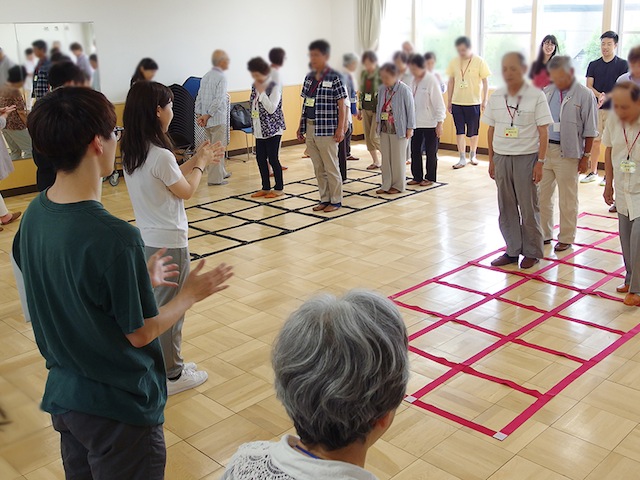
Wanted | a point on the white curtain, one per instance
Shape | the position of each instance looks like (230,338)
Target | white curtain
(370,14)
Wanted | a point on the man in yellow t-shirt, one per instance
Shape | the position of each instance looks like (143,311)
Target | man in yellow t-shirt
(466,99)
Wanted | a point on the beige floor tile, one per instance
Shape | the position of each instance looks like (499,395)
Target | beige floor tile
(184,462)
(523,469)
(630,446)
(468,457)
(616,467)
(564,454)
(240,392)
(194,415)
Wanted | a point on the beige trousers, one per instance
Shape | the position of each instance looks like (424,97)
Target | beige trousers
(324,155)
(563,173)
(370,126)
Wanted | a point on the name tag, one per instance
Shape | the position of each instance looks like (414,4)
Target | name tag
(628,166)
(556,127)
(310,102)
(384,116)
(511,132)
(327,84)
(368,97)
(255,114)
(464,84)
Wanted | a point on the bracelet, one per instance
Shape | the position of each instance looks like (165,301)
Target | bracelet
(198,168)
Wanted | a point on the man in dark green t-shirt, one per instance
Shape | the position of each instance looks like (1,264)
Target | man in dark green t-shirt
(89,294)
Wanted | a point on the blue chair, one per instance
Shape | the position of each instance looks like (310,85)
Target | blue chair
(192,85)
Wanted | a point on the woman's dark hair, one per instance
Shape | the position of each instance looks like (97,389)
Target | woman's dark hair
(58,57)
(16,74)
(145,64)
(64,122)
(276,56)
(466,41)
(430,56)
(370,55)
(93,57)
(64,72)
(28,51)
(258,65)
(634,55)
(539,64)
(75,46)
(400,55)
(389,68)
(417,60)
(142,127)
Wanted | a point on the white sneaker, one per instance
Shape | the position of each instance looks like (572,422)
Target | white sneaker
(190,366)
(188,380)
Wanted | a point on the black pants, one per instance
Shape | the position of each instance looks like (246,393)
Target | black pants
(267,150)
(344,150)
(97,448)
(428,138)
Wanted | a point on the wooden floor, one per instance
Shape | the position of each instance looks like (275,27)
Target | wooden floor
(589,431)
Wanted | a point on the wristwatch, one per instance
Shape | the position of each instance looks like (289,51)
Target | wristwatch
(587,154)
(541,160)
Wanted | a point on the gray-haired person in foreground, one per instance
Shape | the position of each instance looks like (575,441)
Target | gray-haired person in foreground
(341,370)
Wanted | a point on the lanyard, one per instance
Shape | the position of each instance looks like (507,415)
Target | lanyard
(464,72)
(417,84)
(516,108)
(626,140)
(315,87)
(388,102)
(307,452)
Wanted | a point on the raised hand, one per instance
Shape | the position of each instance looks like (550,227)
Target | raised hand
(161,270)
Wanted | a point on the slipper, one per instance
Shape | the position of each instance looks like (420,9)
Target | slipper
(320,207)
(381,192)
(260,193)
(413,182)
(393,191)
(459,165)
(426,183)
(274,194)
(373,167)
(14,217)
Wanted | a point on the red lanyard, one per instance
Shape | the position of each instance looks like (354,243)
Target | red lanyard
(315,87)
(626,140)
(464,72)
(388,102)
(516,108)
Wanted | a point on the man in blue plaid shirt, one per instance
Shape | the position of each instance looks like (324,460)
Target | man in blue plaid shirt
(324,122)
(41,74)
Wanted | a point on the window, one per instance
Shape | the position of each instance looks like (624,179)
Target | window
(396,28)
(506,27)
(629,26)
(437,33)
(578,38)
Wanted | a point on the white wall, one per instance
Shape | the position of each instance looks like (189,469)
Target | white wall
(180,35)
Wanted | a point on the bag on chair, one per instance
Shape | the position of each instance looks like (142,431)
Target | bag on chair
(240,117)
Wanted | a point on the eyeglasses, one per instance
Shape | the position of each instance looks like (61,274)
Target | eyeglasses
(118,132)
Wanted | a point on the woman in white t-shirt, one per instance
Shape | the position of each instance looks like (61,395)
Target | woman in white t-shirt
(158,187)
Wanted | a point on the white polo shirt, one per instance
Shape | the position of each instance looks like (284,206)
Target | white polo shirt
(627,185)
(518,135)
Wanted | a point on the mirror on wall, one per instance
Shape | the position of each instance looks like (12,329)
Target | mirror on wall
(16,38)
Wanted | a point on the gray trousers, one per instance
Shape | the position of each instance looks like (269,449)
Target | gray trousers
(217,171)
(171,340)
(394,161)
(324,155)
(98,448)
(518,204)
(19,142)
(630,242)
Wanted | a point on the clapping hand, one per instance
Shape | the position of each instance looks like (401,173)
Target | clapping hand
(212,153)
(161,270)
(201,285)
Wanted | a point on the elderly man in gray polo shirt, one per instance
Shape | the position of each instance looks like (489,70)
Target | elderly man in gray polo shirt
(574,110)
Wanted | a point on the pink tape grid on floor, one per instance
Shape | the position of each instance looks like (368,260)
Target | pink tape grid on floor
(419,398)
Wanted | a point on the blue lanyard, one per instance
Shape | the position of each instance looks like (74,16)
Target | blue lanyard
(307,452)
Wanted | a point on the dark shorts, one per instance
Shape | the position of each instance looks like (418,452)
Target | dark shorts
(94,448)
(467,119)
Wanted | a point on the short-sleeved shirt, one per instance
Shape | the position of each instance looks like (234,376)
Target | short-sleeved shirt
(329,92)
(475,70)
(606,74)
(160,215)
(11,96)
(87,287)
(530,110)
(626,77)
(627,184)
